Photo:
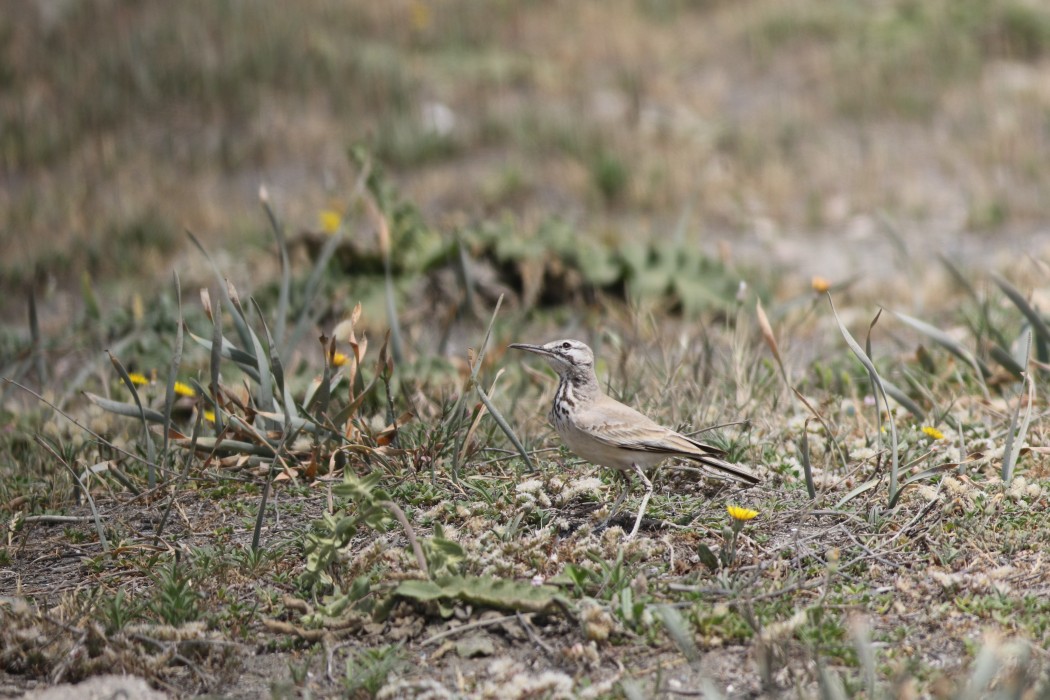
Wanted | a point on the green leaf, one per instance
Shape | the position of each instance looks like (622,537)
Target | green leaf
(866,486)
(484,591)
(921,476)
(707,557)
(599,267)
(877,387)
(226,447)
(228,350)
(947,342)
(1015,434)
(678,630)
(125,409)
(1033,316)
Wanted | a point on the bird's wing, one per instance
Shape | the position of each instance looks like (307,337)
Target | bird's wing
(619,426)
(614,424)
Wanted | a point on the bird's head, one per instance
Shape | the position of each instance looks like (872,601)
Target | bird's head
(565,356)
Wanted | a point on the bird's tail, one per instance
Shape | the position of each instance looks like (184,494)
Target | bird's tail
(726,469)
(711,457)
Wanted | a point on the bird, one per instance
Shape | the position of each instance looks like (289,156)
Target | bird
(611,434)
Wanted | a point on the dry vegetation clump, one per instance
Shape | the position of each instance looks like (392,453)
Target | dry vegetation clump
(789,128)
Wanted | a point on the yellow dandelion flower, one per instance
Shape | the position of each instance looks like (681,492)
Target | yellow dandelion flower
(420,16)
(183,389)
(820,284)
(741,514)
(339,359)
(138,379)
(209,416)
(331,220)
(932,432)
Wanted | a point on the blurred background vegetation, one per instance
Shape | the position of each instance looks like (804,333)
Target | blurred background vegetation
(796,132)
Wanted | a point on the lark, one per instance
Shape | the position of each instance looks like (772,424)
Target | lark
(605,432)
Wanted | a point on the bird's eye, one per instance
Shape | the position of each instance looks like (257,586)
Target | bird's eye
(566,346)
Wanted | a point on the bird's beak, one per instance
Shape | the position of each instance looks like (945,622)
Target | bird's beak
(538,349)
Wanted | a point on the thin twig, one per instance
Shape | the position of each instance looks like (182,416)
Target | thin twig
(470,626)
(59,519)
(394,508)
(526,624)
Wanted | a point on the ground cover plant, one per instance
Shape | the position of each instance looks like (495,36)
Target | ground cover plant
(268,442)
(222,497)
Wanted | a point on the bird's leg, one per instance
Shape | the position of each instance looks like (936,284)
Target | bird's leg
(645,499)
(625,485)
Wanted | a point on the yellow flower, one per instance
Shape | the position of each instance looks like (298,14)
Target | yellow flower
(209,416)
(741,514)
(331,220)
(420,16)
(183,389)
(339,359)
(820,284)
(138,379)
(932,432)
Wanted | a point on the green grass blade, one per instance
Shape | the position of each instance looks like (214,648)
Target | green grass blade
(173,372)
(1015,434)
(878,389)
(1033,316)
(214,361)
(277,366)
(678,630)
(204,394)
(866,486)
(295,423)
(807,467)
(151,450)
(505,427)
(135,410)
(348,411)
(239,323)
(226,447)
(83,487)
(871,326)
(284,290)
(262,360)
(247,363)
(480,359)
(313,283)
(948,343)
(924,475)
(397,345)
(960,279)
(1006,360)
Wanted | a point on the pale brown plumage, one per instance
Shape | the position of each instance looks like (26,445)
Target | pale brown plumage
(606,432)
